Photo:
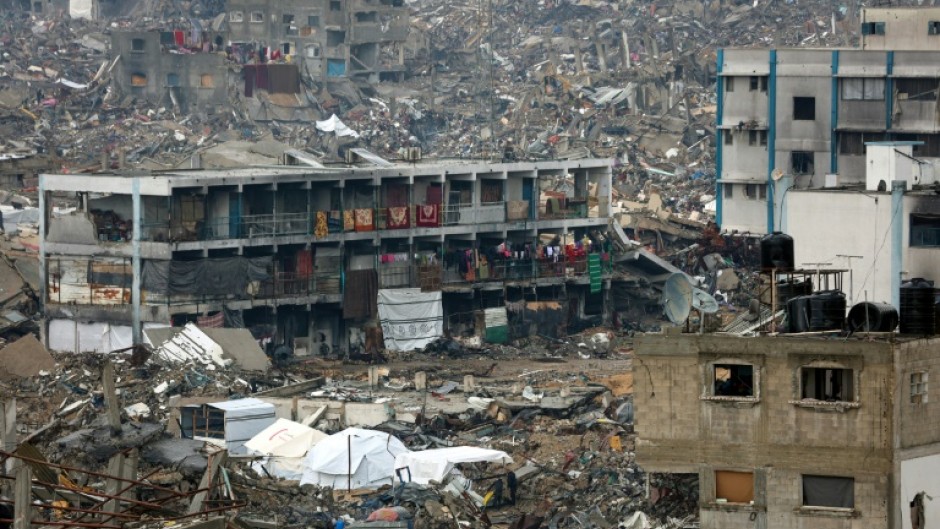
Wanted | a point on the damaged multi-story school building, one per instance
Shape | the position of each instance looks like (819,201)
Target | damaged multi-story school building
(299,254)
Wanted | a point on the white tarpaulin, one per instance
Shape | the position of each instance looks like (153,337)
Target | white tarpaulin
(284,445)
(410,319)
(81,9)
(435,465)
(356,458)
(334,124)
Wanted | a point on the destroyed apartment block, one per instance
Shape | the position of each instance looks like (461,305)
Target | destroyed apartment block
(296,254)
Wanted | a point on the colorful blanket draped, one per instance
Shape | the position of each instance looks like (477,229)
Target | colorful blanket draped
(398,218)
(364,220)
(429,215)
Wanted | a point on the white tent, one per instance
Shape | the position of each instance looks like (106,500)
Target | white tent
(435,465)
(284,445)
(356,458)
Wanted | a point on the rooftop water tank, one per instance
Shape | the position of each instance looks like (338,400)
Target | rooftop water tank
(776,252)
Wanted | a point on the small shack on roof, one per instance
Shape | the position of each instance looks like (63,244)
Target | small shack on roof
(230,424)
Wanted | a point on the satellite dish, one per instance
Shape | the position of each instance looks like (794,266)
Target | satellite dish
(677,298)
(776,174)
(703,301)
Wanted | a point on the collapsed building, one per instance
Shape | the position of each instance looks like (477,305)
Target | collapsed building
(300,254)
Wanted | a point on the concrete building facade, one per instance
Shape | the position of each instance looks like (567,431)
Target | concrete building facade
(792,432)
(800,118)
(328,38)
(169,68)
(275,247)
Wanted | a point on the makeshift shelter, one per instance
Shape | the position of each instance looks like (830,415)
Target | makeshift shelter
(230,423)
(353,459)
(437,464)
(284,445)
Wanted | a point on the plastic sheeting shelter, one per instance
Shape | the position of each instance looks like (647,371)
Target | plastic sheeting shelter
(410,319)
(437,464)
(284,445)
(353,459)
(233,422)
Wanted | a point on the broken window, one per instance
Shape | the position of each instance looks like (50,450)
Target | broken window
(917,89)
(335,38)
(925,230)
(172,80)
(729,84)
(873,28)
(289,27)
(763,137)
(933,27)
(312,51)
(827,384)
(313,21)
(752,137)
(755,83)
(138,79)
(853,143)
(236,16)
(863,89)
(763,83)
(804,108)
(137,45)
(733,380)
(728,189)
(928,146)
(919,387)
(828,491)
(257,17)
(735,487)
(728,138)
(801,162)
(750,191)
(369,16)
(336,5)
(206,81)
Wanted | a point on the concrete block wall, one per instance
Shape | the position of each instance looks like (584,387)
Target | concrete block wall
(679,428)
(918,424)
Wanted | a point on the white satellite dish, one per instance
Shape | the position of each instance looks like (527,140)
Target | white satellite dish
(677,298)
(776,174)
(703,301)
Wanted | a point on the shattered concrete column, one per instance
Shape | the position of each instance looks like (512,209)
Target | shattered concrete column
(624,49)
(599,49)
(110,398)
(113,486)
(373,377)
(421,381)
(23,497)
(8,433)
(578,60)
(136,332)
(469,384)
(130,472)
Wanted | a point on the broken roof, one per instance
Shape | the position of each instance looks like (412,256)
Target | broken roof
(219,346)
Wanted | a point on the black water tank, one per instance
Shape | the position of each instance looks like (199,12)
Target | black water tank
(776,251)
(826,310)
(918,307)
(873,317)
(798,314)
(788,289)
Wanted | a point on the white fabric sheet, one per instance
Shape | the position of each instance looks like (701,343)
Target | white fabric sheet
(334,124)
(356,458)
(435,465)
(284,443)
(410,319)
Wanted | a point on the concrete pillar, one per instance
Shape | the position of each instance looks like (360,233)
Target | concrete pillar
(373,376)
(421,381)
(469,383)
(23,497)
(8,438)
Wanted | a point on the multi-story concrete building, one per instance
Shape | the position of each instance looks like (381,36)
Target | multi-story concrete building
(800,118)
(274,247)
(792,432)
(328,38)
(179,69)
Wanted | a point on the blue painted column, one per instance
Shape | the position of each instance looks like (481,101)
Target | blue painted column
(718,140)
(834,116)
(771,138)
(135,285)
(897,233)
